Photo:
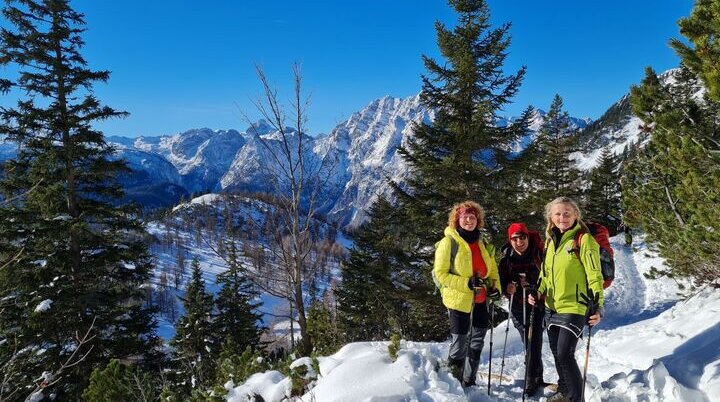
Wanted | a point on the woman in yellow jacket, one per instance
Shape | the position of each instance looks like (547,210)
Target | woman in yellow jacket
(567,282)
(466,279)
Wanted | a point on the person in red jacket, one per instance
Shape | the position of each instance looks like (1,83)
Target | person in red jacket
(520,270)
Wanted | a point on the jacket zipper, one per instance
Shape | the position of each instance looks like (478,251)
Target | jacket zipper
(552,268)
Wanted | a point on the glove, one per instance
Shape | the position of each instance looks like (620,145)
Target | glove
(592,301)
(493,294)
(475,282)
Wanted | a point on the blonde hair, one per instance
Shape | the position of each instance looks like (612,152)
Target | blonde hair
(562,200)
(454,215)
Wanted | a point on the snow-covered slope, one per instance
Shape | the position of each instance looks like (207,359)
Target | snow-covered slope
(147,168)
(370,139)
(617,128)
(199,229)
(651,346)
(7,150)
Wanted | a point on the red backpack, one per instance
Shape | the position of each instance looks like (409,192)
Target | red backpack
(534,239)
(601,235)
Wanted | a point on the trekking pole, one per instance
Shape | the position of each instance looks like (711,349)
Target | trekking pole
(524,301)
(492,317)
(528,350)
(470,334)
(587,359)
(592,302)
(507,329)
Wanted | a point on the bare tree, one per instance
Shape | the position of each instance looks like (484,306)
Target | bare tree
(180,268)
(297,179)
(48,377)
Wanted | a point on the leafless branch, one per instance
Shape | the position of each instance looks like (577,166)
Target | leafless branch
(13,259)
(298,179)
(52,378)
(11,199)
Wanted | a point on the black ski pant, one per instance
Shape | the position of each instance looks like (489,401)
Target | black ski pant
(535,367)
(563,342)
(467,342)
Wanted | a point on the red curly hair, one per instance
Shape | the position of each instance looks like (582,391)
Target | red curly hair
(454,216)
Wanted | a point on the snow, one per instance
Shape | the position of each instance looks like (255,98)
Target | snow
(36,396)
(128,266)
(271,385)
(654,345)
(206,199)
(627,135)
(43,306)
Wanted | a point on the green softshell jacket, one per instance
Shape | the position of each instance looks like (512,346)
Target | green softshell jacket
(564,277)
(454,285)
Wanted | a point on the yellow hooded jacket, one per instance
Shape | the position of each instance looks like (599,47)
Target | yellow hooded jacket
(456,294)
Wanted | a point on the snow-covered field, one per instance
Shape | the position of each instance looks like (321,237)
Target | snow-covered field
(653,345)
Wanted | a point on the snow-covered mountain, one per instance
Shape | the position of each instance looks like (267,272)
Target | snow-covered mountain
(369,140)
(7,150)
(200,156)
(617,128)
(536,122)
(358,156)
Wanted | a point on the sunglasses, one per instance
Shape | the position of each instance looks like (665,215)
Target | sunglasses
(516,238)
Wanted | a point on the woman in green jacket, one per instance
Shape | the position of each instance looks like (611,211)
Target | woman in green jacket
(467,273)
(567,282)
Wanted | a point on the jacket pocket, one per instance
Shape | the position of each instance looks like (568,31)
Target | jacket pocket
(577,293)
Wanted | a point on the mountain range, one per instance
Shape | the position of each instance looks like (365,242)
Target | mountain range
(363,150)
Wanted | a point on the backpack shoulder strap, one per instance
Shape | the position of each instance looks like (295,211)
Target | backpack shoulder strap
(453,252)
(576,243)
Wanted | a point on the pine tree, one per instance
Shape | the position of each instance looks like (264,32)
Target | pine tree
(323,327)
(672,186)
(552,172)
(702,57)
(602,200)
(368,301)
(193,341)
(120,382)
(109,384)
(463,154)
(236,317)
(238,367)
(71,261)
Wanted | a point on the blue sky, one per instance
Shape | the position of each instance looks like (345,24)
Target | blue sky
(182,64)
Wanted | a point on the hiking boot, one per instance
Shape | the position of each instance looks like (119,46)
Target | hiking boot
(456,369)
(533,385)
(559,397)
(468,383)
